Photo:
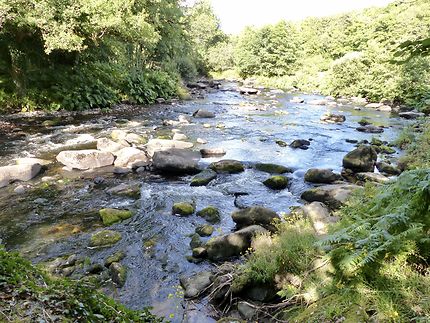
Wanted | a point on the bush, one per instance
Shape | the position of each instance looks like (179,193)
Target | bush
(27,293)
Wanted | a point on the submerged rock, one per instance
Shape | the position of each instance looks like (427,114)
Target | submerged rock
(361,159)
(177,161)
(227,166)
(127,190)
(231,245)
(333,118)
(209,152)
(272,168)
(105,238)
(255,215)
(334,196)
(277,182)
(370,129)
(85,159)
(196,284)
(201,113)
(247,90)
(118,273)
(300,143)
(33,161)
(23,172)
(203,178)
(111,216)
(183,208)
(210,214)
(321,176)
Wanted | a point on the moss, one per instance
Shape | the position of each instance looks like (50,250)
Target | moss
(210,214)
(205,230)
(105,238)
(203,178)
(277,182)
(195,241)
(111,216)
(183,208)
(116,257)
(272,168)
(227,166)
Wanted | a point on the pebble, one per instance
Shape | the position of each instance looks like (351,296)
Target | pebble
(19,189)
(201,141)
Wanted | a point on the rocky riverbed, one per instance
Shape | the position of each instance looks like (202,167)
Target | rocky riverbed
(138,197)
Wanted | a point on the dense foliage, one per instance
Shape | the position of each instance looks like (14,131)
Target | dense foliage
(355,54)
(84,54)
(28,294)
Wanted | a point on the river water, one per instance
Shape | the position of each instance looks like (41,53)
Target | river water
(57,218)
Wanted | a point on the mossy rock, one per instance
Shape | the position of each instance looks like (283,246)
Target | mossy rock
(105,238)
(203,178)
(118,273)
(386,150)
(228,166)
(199,252)
(116,257)
(281,143)
(272,168)
(210,214)
(111,216)
(195,242)
(277,182)
(377,142)
(205,230)
(183,208)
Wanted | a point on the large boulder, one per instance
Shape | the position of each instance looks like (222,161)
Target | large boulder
(177,161)
(227,166)
(321,176)
(231,245)
(85,159)
(196,284)
(154,145)
(105,144)
(131,157)
(23,172)
(319,215)
(254,215)
(334,196)
(361,159)
(203,114)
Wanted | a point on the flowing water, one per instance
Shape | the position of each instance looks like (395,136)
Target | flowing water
(57,218)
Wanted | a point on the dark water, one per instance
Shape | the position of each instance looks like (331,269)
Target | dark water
(58,218)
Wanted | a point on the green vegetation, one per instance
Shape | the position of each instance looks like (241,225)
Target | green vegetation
(92,54)
(28,294)
(374,263)
(354,54)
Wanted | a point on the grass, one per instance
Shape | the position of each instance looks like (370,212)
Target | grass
(28,294)
(373,266)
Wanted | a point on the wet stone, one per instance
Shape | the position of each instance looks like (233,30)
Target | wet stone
(105,238)
(111,216)
(183,209)
(205,230)
(210,214)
